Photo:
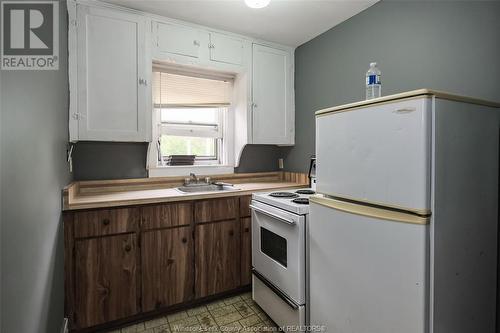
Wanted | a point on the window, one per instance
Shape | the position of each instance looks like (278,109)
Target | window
(189,117)
(192,131)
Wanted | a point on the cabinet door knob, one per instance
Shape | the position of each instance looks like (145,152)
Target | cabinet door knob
(105,221)
(128,247)
(184,240)
(196,42)
(231,232)
(247,229)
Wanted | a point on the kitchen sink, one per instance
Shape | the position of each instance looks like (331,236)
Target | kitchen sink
(206,188)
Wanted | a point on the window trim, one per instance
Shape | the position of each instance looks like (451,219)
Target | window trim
(224,166)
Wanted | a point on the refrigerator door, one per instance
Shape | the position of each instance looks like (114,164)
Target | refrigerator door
(378,154)
(368,271)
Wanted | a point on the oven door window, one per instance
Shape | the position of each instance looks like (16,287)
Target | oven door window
(273,246)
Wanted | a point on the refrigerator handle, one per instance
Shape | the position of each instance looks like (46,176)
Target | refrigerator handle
(370,211)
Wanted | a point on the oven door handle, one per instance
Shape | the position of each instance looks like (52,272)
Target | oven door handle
(278,292)
(262,211)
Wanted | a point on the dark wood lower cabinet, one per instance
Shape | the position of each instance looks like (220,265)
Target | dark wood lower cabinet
(167,267)
(126,263)
(105,279)
(246,251)
(217,257)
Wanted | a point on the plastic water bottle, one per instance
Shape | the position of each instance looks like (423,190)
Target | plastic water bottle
(373,85)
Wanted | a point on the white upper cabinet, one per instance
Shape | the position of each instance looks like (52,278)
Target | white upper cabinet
(272,90)
(113,73)
(174,39)
(185,45)
(111,55)
(226,49)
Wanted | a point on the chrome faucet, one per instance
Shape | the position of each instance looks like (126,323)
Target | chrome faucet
(193,177)
(192,180)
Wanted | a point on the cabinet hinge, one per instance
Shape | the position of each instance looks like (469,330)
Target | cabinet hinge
(78,116)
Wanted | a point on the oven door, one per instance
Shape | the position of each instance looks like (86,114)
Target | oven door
(278,249)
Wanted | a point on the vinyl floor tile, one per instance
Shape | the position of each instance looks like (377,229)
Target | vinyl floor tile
(236,314)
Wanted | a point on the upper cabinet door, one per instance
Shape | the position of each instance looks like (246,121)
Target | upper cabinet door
(272,89)
(226,49)
(177,40)
(113,76)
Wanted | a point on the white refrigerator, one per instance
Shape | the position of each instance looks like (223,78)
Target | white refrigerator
(403,231)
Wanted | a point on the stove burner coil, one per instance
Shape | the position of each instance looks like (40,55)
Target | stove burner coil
(301,201)
(305,192)
(283,195)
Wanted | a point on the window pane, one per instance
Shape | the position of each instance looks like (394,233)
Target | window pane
(183,145)
(195,115)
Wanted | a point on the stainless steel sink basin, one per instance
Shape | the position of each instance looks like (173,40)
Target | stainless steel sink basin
(206,188)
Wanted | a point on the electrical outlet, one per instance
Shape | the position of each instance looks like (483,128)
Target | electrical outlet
(280,163)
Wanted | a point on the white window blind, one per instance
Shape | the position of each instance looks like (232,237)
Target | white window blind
(173,90)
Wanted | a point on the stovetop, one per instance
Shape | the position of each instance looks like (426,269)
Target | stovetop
(293,201)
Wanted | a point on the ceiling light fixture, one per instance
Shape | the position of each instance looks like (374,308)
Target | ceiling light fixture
(257,3)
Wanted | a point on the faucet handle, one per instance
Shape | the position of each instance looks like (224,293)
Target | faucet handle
(208,180)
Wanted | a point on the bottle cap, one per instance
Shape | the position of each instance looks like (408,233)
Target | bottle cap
(373,64)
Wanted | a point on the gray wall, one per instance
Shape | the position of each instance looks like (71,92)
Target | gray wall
(259,158)
(109,160)
(114,160)
(449,45)
(34,133)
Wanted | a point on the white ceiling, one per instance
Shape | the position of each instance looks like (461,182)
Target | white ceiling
(289,22)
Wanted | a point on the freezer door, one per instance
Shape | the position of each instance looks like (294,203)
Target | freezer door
(378,154)
(367,274)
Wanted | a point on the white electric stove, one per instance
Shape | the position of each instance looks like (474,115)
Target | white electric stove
(279,258)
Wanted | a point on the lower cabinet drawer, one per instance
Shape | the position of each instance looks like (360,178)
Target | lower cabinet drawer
(105,222)
(216,210)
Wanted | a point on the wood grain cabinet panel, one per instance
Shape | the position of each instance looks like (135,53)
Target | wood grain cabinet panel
(168,215)
(105,279)
(245,206)
(216,210)
(105,222)
(127,261)
(246,251)
(217,257)
(167,267)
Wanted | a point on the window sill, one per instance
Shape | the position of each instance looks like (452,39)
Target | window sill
(181,170)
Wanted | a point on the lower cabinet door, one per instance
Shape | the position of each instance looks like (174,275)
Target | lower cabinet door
(105,279)
(217,262)
(167,267)
(246,251)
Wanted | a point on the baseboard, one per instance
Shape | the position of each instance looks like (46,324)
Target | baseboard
(64,327)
